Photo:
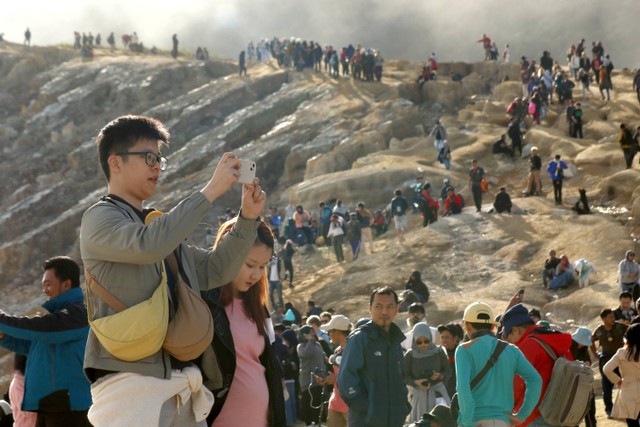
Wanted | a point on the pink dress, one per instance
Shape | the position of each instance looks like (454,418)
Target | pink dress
(16,395)
(248,400)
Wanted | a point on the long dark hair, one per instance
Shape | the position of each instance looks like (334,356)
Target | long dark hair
(255,299)
(633,342)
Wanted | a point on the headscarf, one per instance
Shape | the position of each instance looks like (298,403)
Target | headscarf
(422,330)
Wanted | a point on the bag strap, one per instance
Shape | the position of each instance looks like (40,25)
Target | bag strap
(172,262)
(114,303)
(546,348)
(492,360)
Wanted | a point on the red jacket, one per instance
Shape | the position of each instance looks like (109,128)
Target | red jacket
(560,343)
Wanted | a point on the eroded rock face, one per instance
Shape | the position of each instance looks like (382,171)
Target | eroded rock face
(315,139)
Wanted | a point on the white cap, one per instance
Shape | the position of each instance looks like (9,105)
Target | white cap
(338,322)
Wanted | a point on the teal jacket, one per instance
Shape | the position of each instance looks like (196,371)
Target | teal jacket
(371,380)
(54,344)
(492,398)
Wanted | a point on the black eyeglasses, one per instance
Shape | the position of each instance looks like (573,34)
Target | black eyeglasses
(422,341)
(150,158)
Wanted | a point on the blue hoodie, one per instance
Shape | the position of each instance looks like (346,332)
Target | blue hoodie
(55,346)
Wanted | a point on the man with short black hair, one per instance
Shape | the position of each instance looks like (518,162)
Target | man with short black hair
(451,335)
(521,330)
(610,336)
(370,378)
(55,385)
(625,311)
(126,251)
(490,403)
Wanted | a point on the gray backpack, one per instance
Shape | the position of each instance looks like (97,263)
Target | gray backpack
(566,400)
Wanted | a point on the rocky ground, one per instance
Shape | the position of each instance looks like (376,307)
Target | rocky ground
(316,138)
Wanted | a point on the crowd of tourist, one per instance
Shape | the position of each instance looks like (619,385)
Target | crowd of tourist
(369,372)
(356,61)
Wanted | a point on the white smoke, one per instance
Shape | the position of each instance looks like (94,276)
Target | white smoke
(402,29)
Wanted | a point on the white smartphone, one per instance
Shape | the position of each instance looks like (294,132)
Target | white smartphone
(247,171)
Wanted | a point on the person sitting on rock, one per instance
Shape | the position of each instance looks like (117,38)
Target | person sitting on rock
(416,286)
(583,269)
(549,267)
(454,203)
(564,274)
(501,146)
(503,201)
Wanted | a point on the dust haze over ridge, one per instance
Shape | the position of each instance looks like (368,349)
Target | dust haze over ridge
(402,29)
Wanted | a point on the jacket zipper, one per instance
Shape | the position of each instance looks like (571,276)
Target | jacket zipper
(53,355)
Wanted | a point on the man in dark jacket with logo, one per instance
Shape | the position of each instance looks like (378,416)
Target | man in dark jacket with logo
(370,377)
(522,331)
(55,385)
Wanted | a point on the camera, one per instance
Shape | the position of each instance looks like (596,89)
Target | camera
(319,372)
(429,381)
(247,171)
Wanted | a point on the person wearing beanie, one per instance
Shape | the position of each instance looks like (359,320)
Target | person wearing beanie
(492,398)
(521,330)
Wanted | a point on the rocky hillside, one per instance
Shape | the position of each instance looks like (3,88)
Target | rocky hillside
(316,138)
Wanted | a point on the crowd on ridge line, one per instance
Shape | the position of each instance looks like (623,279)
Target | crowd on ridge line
(356,61)
(86,42)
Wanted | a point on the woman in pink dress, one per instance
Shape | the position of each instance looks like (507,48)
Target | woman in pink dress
(248,384)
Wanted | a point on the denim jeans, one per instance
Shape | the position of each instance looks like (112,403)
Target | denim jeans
(275,286)
(562,280)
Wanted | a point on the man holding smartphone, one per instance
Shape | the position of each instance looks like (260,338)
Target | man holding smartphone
(126,256)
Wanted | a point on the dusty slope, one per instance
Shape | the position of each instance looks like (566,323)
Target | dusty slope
(321,139)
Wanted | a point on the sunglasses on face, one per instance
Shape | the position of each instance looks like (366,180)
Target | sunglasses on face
(421,341)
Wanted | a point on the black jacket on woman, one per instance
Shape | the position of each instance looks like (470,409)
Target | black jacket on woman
(226,356)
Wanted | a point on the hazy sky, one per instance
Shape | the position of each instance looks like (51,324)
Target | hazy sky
(402,29)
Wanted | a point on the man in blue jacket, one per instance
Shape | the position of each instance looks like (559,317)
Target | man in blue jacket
(55,385)
(370,376)
(556,169)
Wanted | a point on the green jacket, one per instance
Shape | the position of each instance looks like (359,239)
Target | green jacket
(125,256)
